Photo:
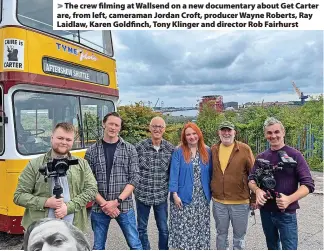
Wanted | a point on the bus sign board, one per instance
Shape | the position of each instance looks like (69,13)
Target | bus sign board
(60,68)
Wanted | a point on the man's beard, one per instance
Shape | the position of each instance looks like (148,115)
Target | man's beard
(57,152)
(228,139)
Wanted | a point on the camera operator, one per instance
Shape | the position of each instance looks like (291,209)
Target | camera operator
(278,215)
(34,191)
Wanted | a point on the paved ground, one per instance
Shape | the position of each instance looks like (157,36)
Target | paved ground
(310,220)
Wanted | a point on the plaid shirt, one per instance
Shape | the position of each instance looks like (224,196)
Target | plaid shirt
(124,171)
(153,187)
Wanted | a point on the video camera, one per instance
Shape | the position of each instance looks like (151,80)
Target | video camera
(57,168)
(264,173)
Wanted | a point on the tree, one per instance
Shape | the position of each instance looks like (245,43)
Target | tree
(137,118)
(208,121)
(312,112)
(303,125)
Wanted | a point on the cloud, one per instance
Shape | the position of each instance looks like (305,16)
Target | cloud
(179,67)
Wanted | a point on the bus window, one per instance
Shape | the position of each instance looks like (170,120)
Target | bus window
(2,124)
(38,14)
(93,111)
(98,40)
(35,116)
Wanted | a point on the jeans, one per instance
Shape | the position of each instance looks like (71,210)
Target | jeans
(278,226)
(126,221)
(238,215)
(161,218)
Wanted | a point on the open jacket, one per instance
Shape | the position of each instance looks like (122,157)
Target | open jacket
(182,177)
(124,171)
(233,183)
(32,191)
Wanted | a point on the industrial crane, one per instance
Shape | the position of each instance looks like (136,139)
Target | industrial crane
(157,102)
(300,94)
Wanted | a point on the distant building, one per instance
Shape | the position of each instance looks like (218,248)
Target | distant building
(234,105)
(267,104)
(215,101)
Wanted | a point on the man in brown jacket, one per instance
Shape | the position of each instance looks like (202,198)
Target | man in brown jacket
(232,162)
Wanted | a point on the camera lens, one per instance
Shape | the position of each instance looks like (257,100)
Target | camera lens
(61,167)
(269,182)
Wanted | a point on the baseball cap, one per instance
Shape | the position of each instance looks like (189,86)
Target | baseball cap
(226,124)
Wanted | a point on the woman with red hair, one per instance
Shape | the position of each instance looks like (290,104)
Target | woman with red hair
(190,195)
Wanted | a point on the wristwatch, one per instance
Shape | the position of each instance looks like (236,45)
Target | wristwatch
(119,200)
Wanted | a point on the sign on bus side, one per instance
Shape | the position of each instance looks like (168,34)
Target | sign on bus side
(13,54)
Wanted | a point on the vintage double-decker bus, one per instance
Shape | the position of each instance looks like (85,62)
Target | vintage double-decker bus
(47,77)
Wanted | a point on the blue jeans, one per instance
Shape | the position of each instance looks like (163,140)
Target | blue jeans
(126,221)
(161,218)
(278,227)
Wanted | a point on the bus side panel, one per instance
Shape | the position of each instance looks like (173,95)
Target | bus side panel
(11,224)
(1,50)
(79,154)
(39,46)
(14,168)
(3,189)
(10,214)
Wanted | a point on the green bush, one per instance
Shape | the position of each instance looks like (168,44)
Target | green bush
(136,124)
(298,120)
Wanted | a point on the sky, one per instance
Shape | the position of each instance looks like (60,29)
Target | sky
(179,67)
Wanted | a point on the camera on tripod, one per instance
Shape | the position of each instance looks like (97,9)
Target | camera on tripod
(264,173)
(57,168)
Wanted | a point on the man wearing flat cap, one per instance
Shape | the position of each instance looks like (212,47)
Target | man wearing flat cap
(232,162)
